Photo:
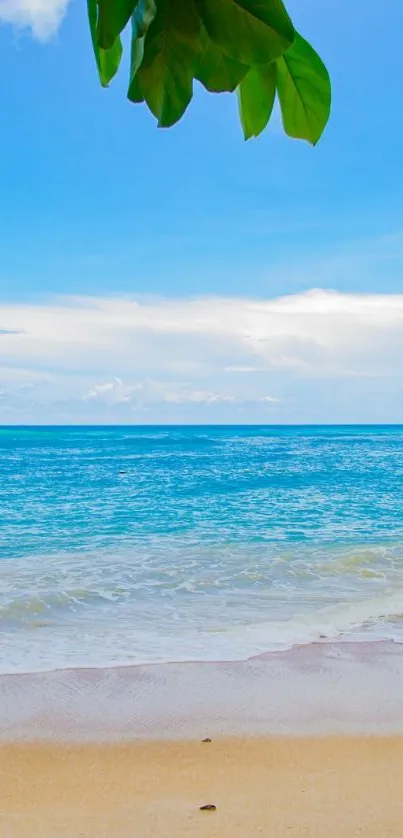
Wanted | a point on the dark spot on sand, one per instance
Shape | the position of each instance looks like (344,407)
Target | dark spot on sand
(208,807)
(206,739)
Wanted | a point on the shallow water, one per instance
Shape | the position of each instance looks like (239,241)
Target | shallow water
(138,545)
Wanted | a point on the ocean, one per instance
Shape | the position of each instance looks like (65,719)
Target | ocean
(137,545)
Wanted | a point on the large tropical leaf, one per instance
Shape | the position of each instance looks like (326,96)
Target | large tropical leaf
(256,95)
(248,45)
(215,70)
(112,19)
(249,31)
(107,60)
(171,54)
(304,91)
(142,17)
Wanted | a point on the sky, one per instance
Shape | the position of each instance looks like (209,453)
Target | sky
(184,275)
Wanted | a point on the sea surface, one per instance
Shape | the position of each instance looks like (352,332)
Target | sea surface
(137,545)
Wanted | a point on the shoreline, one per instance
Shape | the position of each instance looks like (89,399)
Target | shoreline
(260,786)
(304,743)
(378,643)
(322,689)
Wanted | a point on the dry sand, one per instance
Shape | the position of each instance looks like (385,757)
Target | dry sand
(334,787)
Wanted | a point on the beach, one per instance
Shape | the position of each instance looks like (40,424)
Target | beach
(305,743)
(161,587)
(333,786)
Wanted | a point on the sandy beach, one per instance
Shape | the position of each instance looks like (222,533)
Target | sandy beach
(333,786)
(309,743)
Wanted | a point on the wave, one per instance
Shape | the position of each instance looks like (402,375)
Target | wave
(168,599)
(334,622)
(25,607)
(46,633)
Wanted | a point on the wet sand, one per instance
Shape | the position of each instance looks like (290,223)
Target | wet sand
(322,689)
(316,787)
(118,753)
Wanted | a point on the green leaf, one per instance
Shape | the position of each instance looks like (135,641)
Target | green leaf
(135,93)
(249,31)
(256,95)
(304,91)
(171,53)
(215,70)
(113,17)
(142,17)
(107,60)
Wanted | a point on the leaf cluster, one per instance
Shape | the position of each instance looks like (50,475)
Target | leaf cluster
(247,46)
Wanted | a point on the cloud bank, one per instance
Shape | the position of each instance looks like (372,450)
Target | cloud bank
(315,356)
(42,17)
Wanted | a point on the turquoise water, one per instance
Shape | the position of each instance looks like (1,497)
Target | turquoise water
(144,544)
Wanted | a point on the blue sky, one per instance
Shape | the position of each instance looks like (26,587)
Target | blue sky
(97,203)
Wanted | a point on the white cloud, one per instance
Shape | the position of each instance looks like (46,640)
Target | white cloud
(151,391)
(43,17)
(297,357)
(244,369)
(113,392)
(195,397)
